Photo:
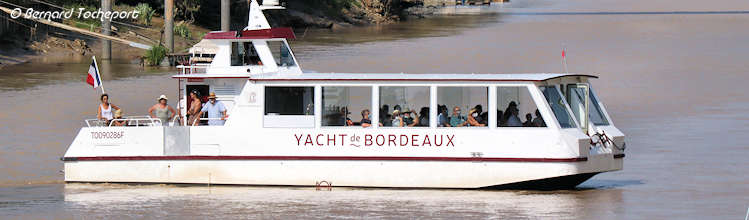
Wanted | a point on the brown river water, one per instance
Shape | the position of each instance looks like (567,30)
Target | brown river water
(672,76)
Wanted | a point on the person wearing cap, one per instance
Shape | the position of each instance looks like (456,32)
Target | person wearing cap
(397,119)
(215,110)
(161,110)
(118,115)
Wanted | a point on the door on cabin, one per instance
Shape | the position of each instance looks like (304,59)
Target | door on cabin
(202,92)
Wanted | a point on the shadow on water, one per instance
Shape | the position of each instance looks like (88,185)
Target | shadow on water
(607,184)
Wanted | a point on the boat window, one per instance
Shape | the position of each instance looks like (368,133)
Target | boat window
(516,108)
(407,106)
(289,100)
(346,106)
(244,54)
(281,53)
(462,106)
(595,113)
(558,106)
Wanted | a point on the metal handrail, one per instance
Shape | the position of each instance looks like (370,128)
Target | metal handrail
(192,68)
(137,119)
(207,119)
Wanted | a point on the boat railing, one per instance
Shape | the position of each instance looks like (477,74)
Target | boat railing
(197,68)
(196,123)
(136,121)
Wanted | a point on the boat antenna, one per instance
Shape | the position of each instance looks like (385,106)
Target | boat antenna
(256,20)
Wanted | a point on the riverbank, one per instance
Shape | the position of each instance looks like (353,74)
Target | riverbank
(300,15)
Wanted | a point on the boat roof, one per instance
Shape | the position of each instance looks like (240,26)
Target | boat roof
(523,77)
(281,32)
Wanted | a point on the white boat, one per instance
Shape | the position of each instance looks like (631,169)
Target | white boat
(287,127)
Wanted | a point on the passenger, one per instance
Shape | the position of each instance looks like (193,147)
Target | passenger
(105,109)
(528,120)
(500,118)
(397,119)
(485,118)
(508,112)
(118,115)
(344,115)
(193,113)
(442,120)
(410,119)
(472,114)
(539,121)
(162,110)
(424,117)
(513,120)
(385,115)
(480,112)
(457,120)
(366,120)
(215,110)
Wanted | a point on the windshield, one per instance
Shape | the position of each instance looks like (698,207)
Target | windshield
(596,113)
(558,107)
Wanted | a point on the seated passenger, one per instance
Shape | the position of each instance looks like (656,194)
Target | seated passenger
(480,112)
(457,120)
(365,119)
(409,119)
(538,121)
(442,120)
(344,116)
(424,117)
(472,114)
(484,118)
(118,115)
(385,115)
(528,120)
(500,118)
(513,120)
(397,119)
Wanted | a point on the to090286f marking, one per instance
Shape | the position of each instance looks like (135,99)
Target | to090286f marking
(107,134)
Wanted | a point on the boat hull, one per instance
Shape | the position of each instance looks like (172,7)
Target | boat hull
(527,174)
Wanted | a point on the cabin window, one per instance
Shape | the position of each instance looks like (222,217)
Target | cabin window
(289,100)
(281,53)
(346,106)
(575,97)
(558,106)
(404,106)
(462,106)
(289,107)
(244,54)
(516,108)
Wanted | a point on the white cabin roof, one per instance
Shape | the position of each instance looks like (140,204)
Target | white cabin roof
(393,77)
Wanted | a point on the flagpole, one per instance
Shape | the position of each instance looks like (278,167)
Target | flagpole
(564,59)
(99,73)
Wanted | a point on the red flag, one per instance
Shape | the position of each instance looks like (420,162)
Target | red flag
(563,55)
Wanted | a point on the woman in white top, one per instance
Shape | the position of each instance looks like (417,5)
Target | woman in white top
(105,109)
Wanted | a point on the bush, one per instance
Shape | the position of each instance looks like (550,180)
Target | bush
(145,13)
(154,55)
(181,30)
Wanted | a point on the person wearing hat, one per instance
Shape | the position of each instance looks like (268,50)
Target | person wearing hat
(215,110)
(397,119)
(161,110)
(118,115)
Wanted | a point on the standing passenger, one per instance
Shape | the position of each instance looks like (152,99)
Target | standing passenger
(105,109)
(193,114)
(161,110)
(215,109)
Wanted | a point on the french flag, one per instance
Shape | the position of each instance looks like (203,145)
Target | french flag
(93,78)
